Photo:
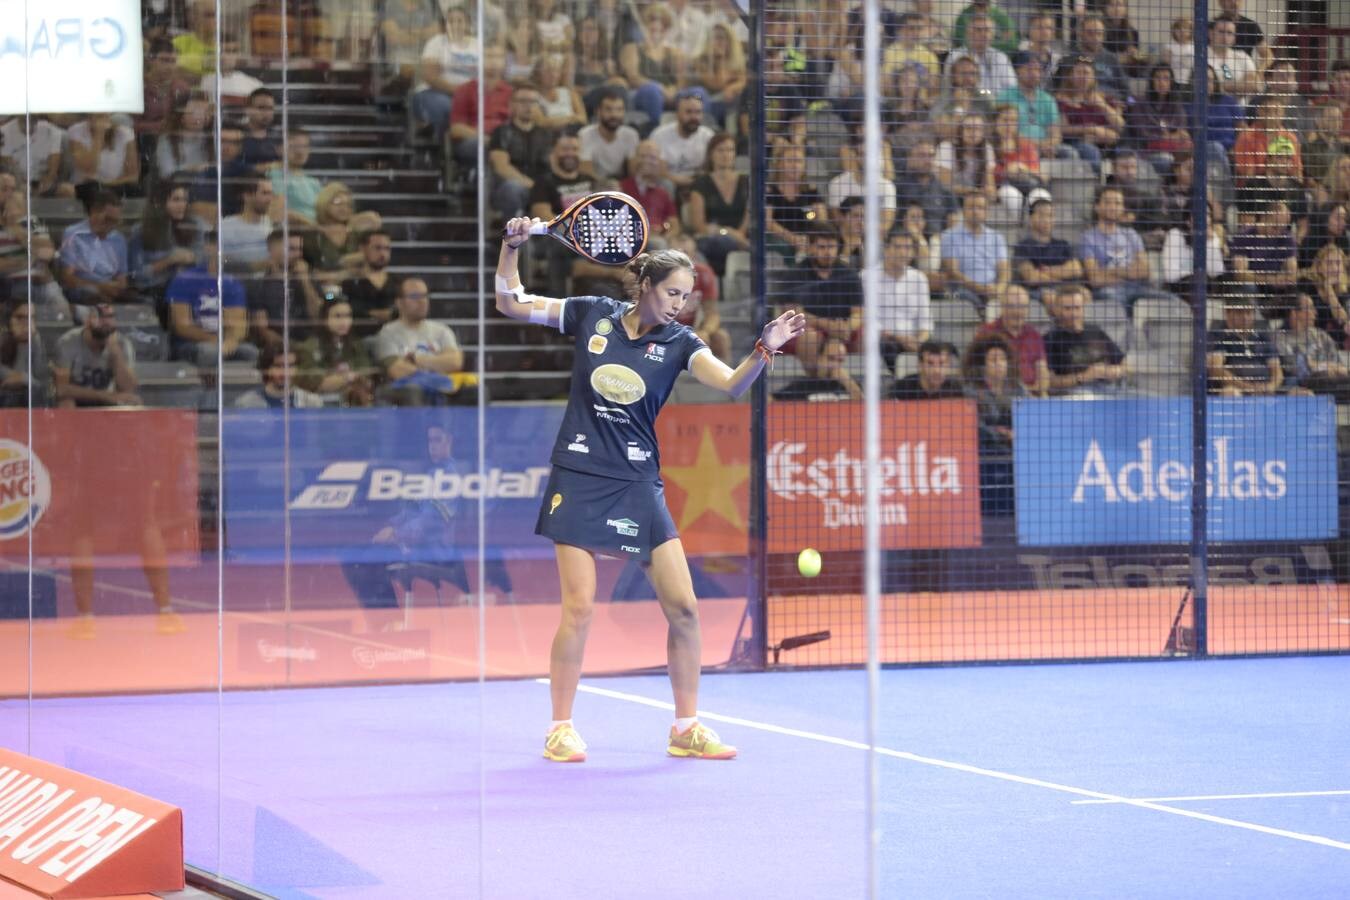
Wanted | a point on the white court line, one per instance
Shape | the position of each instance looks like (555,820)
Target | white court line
(972,770)
(1275,795)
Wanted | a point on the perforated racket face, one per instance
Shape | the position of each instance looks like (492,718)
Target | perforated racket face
(610,229)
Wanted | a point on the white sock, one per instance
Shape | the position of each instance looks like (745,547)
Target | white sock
(684,724)
(558,723)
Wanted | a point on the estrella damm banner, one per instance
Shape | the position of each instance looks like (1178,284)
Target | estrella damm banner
(1119,471)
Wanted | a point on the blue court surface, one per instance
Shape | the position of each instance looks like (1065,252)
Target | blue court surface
(1178,779)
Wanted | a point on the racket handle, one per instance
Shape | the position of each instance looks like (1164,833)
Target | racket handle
(539,228)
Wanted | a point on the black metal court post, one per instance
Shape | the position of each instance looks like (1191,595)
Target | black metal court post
(1199,583)
(756,595)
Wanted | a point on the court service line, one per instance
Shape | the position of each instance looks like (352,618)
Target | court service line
(1272,795)
(972,770)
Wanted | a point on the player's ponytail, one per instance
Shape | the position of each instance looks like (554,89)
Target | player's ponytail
(656,266)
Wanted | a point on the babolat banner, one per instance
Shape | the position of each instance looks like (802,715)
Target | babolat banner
(383,484)
(1119,471)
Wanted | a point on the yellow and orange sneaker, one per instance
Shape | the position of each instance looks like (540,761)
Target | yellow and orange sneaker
(563,744)
(698,742)
(169,622)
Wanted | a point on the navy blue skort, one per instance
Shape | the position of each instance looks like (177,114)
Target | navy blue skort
(623,519)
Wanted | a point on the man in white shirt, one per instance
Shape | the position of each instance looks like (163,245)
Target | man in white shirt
(684,142)
(849,183)
(235,86)
(1235,69)
(904,303)
(996,72)
(42,143)
(243,237)
(607,143)
(690,28)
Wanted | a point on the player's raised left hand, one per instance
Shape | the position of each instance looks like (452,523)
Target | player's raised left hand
(783,329)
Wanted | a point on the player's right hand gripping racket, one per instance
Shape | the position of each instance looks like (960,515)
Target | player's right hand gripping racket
(607,227)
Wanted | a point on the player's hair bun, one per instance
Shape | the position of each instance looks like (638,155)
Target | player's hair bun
(656,266)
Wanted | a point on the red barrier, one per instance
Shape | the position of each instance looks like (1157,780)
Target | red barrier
(66,835)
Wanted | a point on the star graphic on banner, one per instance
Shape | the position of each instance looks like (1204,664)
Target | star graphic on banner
(709,484)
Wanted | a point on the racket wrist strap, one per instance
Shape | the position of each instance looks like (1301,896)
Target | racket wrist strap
(504,286)
(763,352)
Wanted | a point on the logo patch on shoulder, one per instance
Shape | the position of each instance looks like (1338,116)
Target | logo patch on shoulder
(597,344)
(604,326)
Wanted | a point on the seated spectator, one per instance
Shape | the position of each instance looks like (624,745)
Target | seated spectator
(1324,144)
(1113,255)
(31,149)
(1175,204)
(464,117)
(1037,112)
(909,53)
(284,297)
(165,89)
(294,190)
(1235,68)
(373,291)
(235,86)
(851,183)
(517,153)
(830,296)
(966,165)
(1327,226)
(1308,356)
(553,28)
(1179,54)
(1335,188)
(996,72)
(1338,84)
(224,179)
(993,386)
(607,143)
(332,248)
(449,61)
(25,376)
(1178,254)
(684,142)
(906,110)
(719,204)
(1081,357)
(830,380)
(593,63)
(1158,125)
(927,251)
(562,185)
(27,256)
(933,380)
(207,314)
(94,264)
(648,187)
(1040,44)
(243,237)
(1250,39)
(975,257)
(1017,162)
(335,361)
(650,66)
(791,203)
(167,240)
(720,71)
(559,104)
(1024,341)
(1108,76)
(404,28)
(278,388)
(1005,28)
(260,148)
(103,152)
(701,311)
(1242,358)
(185,149)
(95,365)
(1090,122)
(1225,114)
(1263,137)
(1140,196)
(963,96)
(197,48)
(1265,255)
(920,186)
(1043,263)
(418,356)
(1279,184)
(1122,38)
(904,303)
(1299,113)
(1329,287)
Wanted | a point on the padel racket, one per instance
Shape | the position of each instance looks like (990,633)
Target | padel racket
(607,227)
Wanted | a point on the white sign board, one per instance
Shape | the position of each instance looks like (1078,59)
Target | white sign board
(70,56)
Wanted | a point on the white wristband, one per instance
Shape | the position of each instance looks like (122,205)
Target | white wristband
(504,286)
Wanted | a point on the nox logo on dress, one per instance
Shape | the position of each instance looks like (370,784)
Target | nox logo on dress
(610,231)
(656,352)
(625,527)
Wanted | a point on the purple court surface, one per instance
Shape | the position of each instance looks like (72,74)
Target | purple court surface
(1178,779)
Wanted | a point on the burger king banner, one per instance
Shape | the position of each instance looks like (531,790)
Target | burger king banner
(116,484)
